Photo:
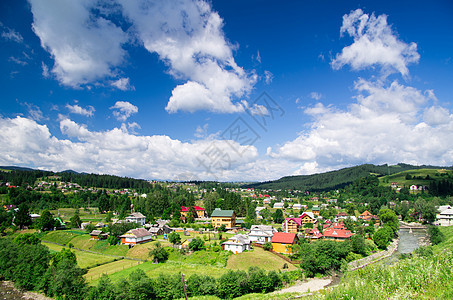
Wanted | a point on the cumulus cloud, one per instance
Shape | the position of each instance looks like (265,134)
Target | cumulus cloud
(25,142)
(188,37)
(123,84)
(375,44)
(387,124)
(201,132)
(77,109)
(84,46)
(122,110)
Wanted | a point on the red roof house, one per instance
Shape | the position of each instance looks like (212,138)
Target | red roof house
(281,241)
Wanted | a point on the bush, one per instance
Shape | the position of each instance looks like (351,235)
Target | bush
(196,244)
(159,253)
(267,246)
(435,235)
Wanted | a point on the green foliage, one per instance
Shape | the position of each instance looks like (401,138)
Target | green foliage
(323,256)
(435,235)
(389,218)
(196,244)
(27,239)
(22,217)
(382,237)
(278,216)
(267,246)
(46,221)
(174,238)
(358,244)
(159,253)
(75,221)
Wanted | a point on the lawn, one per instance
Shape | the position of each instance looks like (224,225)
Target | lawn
(86,215)
(104,248)
(257,257)
(83,242)
(114,267)
(84,259)
(61,237)
(153,270)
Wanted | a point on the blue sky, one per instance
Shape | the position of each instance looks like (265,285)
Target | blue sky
(225,90)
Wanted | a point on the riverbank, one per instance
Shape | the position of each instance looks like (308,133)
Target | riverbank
(361,263)
(9,292)
(307,286)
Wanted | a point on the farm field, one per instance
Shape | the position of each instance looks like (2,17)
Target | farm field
(258,257)
(110,269)
(84,259)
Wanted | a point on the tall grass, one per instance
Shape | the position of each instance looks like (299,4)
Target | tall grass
(415,278)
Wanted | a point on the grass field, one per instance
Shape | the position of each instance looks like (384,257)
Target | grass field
(258,257)
(420,173)
(114,267)
(105,248)
(84,259)
(90,215)
(61,237)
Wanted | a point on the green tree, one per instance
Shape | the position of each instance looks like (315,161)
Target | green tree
(382,237)
(278,216)
(46,221)
(389,218)
(158,253)
(104,290)
(196,244)
(75,220)
(22,216)
(27,239)
(174,238)
(267,246)
(358,244)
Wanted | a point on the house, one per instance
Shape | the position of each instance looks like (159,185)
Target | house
(137,218)
(337,232)
(98,235)
(156,231)
(221,217)
(261,233)
(199,212)
(297,206)
(237,244)
(282,240)
(315,210)
(279,205)
(367,216)
(445,218)
(136,236)
(342,215)
(292,225)
(314,234)
(186,243)
(307,217)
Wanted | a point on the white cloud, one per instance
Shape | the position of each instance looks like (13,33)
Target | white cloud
(122,110)
(375,44)
(387,124)
(77,109)
(45,70)
(12,35)
(188,37)
(315,95)
(436,115)
(123,84)
(268,77)
(18,61)
(34,112)
(85,47)
(201,132)
(25,142)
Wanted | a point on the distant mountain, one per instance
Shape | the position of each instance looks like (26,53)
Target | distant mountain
(14,168)
(335,179)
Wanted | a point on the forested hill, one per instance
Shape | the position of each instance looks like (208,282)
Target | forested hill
(335,179)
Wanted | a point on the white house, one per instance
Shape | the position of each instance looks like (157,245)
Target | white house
(137,218)
(261,233)
(278,205)
(297,206)
(445,218)
(237,244)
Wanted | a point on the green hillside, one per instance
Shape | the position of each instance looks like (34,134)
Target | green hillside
(340,178)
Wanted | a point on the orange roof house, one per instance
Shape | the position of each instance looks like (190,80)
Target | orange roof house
(367,216)
(282,240)
(136,236)
(338,234)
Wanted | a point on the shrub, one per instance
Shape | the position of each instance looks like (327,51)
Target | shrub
(267,246)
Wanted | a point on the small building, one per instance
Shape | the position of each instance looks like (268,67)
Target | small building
(221,217)
(136,217)
(279,205)
(337,233)
(237,244)
(155,231)
(445,218)
(261,233)
(315,209)
(98,235)
(198,211)
(136,236)
(307,217)
(367,216)
(281,242)
(292,225)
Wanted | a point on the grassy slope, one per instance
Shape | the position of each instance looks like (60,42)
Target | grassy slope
(258,257)
(434,174)
(415,278)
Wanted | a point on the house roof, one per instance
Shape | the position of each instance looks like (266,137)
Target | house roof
(136,215)
(139,232)
(283,237)
(238,239)
(96,232)
(337,233)
(310,214)
(447,212)
(298,221)
(222,213)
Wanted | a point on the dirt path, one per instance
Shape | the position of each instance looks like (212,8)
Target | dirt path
(310,285)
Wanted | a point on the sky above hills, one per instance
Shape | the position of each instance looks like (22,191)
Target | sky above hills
(224,90)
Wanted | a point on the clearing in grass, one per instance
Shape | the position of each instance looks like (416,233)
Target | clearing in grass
(258,257)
